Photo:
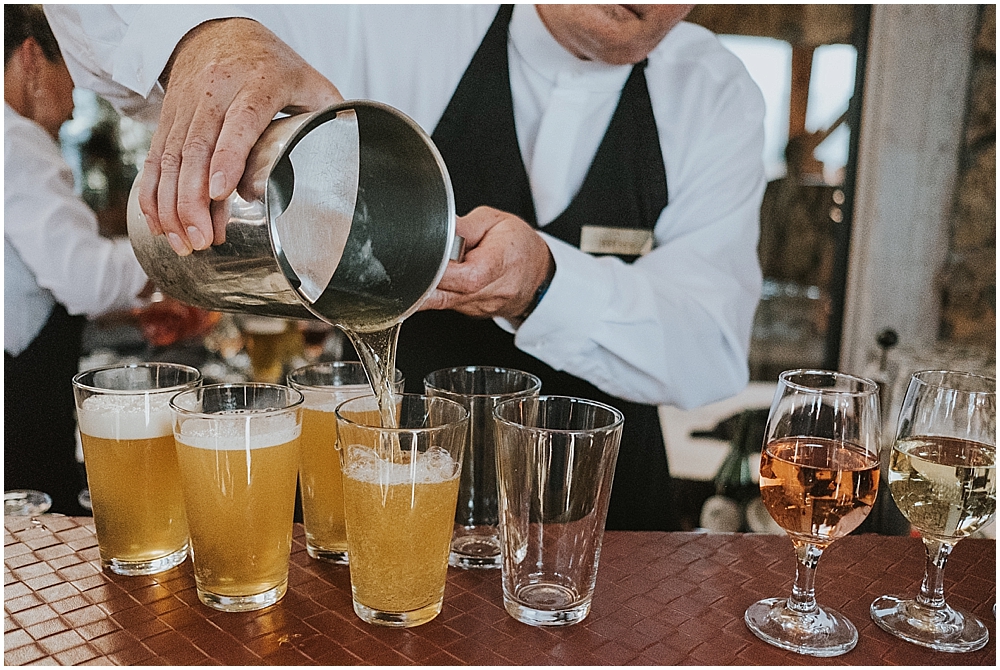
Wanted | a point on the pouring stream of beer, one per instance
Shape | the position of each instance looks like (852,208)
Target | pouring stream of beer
(377,351)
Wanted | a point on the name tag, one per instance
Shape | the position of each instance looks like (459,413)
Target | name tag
(616,241)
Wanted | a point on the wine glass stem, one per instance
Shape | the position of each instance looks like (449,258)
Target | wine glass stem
(803,598)
(932,588)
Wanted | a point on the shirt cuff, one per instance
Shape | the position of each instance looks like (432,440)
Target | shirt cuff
(152,35)
(559,328)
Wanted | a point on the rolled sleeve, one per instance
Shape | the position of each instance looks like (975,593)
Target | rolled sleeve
(55,234)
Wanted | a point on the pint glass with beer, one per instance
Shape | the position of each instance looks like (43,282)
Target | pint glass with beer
(400,490)
(324,386)
(273,345)
(238,452)
(128,446)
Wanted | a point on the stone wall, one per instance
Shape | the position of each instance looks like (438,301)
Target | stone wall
(968,280)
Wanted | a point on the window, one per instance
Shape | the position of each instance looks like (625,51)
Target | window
(801,216)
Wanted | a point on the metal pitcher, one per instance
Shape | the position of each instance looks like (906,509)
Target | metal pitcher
(346,214)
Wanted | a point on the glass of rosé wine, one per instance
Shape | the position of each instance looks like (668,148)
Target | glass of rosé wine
(819,472)
(943,477)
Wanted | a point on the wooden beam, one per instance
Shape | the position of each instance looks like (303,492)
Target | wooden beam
(802,58)
(810,25)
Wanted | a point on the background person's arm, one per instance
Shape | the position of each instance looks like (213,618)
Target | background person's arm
(55,233)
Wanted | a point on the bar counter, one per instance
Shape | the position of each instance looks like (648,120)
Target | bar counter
(662,599)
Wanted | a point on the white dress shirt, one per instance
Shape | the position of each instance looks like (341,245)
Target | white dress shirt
(52,251)
(671,328)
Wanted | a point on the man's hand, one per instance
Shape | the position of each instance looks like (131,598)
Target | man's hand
(506,260)
(226,81)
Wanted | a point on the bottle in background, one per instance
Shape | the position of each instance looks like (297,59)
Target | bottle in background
(735,486)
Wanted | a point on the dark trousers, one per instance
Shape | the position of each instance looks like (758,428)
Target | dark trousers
(39,428)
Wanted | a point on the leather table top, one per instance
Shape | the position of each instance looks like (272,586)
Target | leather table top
(661,599)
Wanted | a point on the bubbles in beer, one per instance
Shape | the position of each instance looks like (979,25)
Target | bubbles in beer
(432,466)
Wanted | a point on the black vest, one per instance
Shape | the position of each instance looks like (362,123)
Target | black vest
(624,187)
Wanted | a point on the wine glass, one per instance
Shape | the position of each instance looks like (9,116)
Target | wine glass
(942,475)
(25,502)
(819,472)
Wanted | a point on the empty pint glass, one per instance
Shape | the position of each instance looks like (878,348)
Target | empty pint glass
(476,540)
(128,446)
(323,387)
(238,451)
(400,487)
(555,461)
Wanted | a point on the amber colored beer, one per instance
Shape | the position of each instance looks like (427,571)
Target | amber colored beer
(133,477)
(270,343)
(320,480)
(324,386)
(399,522)
(240,493)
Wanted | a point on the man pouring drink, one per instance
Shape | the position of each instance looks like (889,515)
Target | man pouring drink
(605,161)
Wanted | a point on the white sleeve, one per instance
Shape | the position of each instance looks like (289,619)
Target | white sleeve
(119,51)
(373,51)
(55,233)
(673,327)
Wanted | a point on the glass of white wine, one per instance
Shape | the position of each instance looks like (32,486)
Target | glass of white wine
(943,477)
(819,472)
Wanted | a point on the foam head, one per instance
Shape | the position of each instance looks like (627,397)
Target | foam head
(139,416)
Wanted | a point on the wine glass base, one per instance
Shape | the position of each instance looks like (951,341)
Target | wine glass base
(822,632)
(944,629)
(25,502)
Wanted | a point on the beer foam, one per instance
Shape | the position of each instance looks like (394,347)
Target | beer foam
(328,401)
(263,325)
(432,467)
(140,416)
(235,432)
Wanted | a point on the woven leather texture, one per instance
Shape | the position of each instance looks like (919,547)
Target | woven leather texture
(661,599)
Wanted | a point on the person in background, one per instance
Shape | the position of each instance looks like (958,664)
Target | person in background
(57,269)
(563,127)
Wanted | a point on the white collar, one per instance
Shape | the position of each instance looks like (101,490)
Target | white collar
(533,43)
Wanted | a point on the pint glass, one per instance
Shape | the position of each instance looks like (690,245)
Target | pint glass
(555,462)
(128,446)
(271,344)
(400,487)
(323,387)
(476,540)
(238,452)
